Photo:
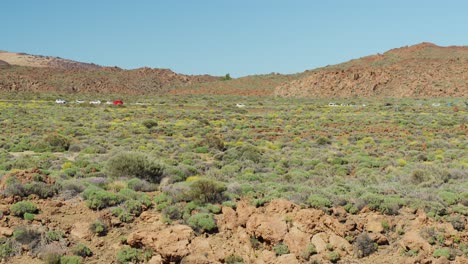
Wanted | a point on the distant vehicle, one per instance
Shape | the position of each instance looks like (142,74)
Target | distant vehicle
(118,102)
(108,103)
(79,101)
(60,101)
(240,105)
(95,102)
(332,104)
(436,104)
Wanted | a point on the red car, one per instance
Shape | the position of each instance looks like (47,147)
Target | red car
(118,102)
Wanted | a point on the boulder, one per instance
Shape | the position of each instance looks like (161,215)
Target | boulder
(297,241)
(374,224)
(307,219)
(413,240)
(271,228)
(287,258)
(280,206)
(320,242)
(244,211)
(171,242)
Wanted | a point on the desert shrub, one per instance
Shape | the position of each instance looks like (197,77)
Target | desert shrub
(82,251)
(281,249)
(29,216)
(97,198)
(174,212)
(323,141)
(20,208)
(449,198)
(52,142)
(350,208)
(444,252)
(162,201)
(54,235)
(457,223)
(71,260)
(419,176)
(134,207)
(141,185)
(213,208)
(150,123)
(52,257)
(212,142)
(26,235)
(246,152)
(207,191)
(8,248)
(364,245)
(319,201)
(99,227)
(14,188)
(129,255)
(233,259)
(203,222)
(334,256)
(135,164)
(41,189)
(311,250)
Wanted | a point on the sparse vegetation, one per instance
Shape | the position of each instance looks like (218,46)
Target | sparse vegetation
(199,155)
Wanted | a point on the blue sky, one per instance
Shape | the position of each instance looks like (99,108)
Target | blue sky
(241,37)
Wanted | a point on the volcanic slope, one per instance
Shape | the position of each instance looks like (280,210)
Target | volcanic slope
(22,72)
(422,70)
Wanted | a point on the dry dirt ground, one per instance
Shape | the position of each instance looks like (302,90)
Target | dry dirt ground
(245,231)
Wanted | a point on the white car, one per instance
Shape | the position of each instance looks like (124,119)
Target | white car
(95,102)
(79,101)
(332,104)
(240,105)
(60,101)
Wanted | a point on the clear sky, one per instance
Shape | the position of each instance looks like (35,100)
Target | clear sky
(240,37)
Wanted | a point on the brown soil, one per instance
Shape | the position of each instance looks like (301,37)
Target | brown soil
(279,221)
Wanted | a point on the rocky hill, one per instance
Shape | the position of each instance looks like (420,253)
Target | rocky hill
(30,73)
(24,59)
(423,70)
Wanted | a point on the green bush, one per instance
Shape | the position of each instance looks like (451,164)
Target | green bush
(364,245)
(203,222)
(334,256)
(97,198)
(149,123)
(449,198)
(54,235)
(311,250)
(40,189)
(71,260)
(207,191)
(141,185)
(20,208)
(443,252)
(233,259)
(129,255)
(25,235)
(281,249)
(82,251)
(99,227)
(319,201)
(52,142)
(8,248)
(134,164)
(29,216)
